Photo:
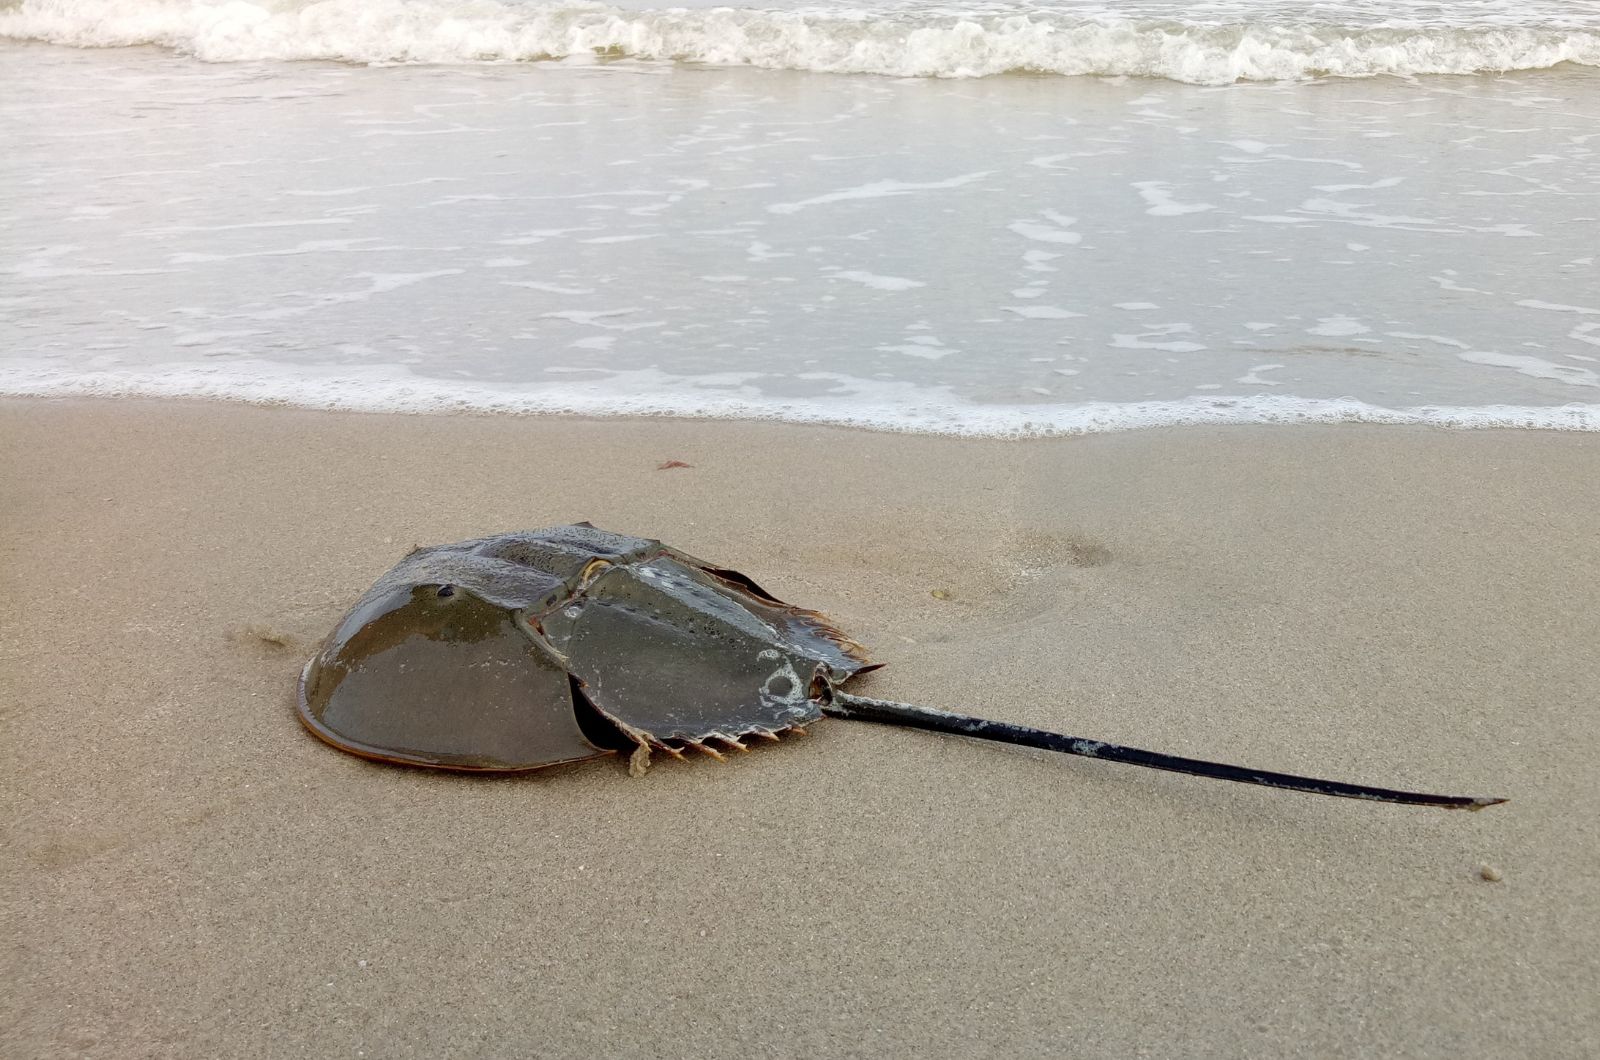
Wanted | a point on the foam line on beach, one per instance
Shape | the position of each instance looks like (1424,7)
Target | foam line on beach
(893,407)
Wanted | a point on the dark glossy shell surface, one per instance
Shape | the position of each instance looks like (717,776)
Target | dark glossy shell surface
(535,648)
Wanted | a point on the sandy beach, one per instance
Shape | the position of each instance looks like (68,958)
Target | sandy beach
(188,873)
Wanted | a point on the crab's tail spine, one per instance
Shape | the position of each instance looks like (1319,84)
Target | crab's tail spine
(860,708)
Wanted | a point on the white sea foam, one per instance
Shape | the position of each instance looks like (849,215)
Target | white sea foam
(865,404)
(1535,367)
(1058,231)
(881,283)
(1157,194)
(880,190)
(906,38)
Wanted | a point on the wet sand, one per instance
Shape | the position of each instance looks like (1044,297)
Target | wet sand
(188,873)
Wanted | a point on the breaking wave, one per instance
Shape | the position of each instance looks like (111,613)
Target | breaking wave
(895,41)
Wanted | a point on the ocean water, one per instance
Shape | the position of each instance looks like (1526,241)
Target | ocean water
(992,218)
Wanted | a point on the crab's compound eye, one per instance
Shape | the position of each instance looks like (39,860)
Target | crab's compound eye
(447,590)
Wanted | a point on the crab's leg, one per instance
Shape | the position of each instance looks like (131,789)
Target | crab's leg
(860,708)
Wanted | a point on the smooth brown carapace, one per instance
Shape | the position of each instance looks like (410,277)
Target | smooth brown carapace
(541,647)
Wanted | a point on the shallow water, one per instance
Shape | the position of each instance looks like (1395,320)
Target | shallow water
(998,255)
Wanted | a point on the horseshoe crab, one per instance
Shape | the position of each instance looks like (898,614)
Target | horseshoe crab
(537,648)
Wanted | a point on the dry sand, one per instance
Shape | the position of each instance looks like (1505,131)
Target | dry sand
(187,873)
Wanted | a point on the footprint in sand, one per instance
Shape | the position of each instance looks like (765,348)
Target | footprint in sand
(1035,551)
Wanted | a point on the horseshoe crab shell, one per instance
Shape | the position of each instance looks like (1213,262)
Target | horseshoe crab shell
(531,649)
(548,646)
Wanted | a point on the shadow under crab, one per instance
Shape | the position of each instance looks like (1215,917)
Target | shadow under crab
(538,648)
